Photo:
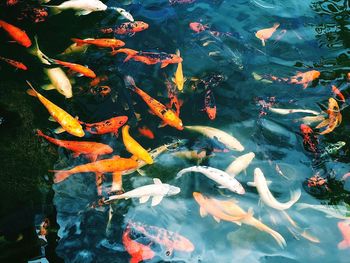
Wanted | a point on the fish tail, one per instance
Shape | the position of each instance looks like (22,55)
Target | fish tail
(40,133)
(295,196)
(343,244)
(35,50)
(278,237)
(302,206)
(177,52)
(276,25)
(60,175)
(53,9)
(32,91)
(78,41)
(130,82)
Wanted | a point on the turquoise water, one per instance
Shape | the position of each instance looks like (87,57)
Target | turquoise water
(316,38)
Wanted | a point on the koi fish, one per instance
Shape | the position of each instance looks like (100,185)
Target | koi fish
(334,117)
(68,123)
(124,13)
(168,116)
(309,138)
(146,132)
(100,90)
(305,78)
(157,191)
(192,155)
(75,48)
(240,164)
(131,28)
(136,250)
(82,7)
(338,93)
(171,240)
(98,80)
(332,148)
(11,2)
(115,165)
(311,119)
(265,34)
(179,79)
(57,77)
(77,68)
(100,42)
(14,63)
(172,94)
(198,27)
(90,149)
(339,211)
(149,58)
(108,126)
(231,208)
(134,147)
(344,228)
(209,104)
(220,177)
(16,34)
(291,111)
(267,197)
(215,134)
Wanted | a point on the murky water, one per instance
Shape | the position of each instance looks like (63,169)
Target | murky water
(313,35)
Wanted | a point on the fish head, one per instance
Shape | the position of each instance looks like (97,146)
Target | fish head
(198,197)
(98,6)
(76,130)
(305,129)
(175,58)
(141,25)
(173,120)
(173,190)
(211,112)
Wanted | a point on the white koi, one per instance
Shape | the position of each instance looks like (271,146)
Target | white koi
(228,140)
(220,177)
(239,164)
(82,7)
(267,197)
(340,211)
(157,191)
(290,111)
(124,13)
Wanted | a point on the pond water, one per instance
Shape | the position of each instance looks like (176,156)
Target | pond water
(250,82)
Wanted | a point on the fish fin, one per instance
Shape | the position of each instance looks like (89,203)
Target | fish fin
(60,175)
(128,58)
(59,130)
(144,199)
(82,13)
(173,80)
(48,87)
(164,64)
(151,112)
(163,124)
(177,52)
(323,124)
(250,213)
(117,182)
(53,9)
(237,222)
(52,119)
(203,212)
(216,219)
(91,157)
(157,181)
(31,92)
(221,187)
(156,200)
(343,244)
(76,154)
(141,172)
(263,42)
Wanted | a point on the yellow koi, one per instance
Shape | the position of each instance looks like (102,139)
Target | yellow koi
(179,79)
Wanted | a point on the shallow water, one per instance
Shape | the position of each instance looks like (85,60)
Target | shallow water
(317,37)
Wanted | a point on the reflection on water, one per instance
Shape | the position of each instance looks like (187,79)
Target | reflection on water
(313,35)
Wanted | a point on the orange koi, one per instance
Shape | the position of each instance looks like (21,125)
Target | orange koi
(149,58)
(115,165)
(108,126)
(334,117)
(171,240)
(68,123)
(344,227)
(146,132)
(136,250)
(265,34)
(16,34)
(100,42)
(98,80)
(168,116)
(77,68)
(91,149)
(14,63)
(209,104)
(337,92)
(305,78)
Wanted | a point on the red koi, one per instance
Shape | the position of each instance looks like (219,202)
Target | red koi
(14,63)
(146,132)
(198,27)
(100,42)
(16,34)
(108,126)
(309,138)
(305,78)
(338,93)
(98,80)
(137,251)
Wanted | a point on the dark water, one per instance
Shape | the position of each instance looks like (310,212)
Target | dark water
(317,38)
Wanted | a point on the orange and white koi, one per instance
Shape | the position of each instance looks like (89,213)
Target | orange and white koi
(305,78)
(91,150)
(136,250)
(168,116)
(14,63)
(68,123)
(170,240)
(128,28)
(100,42)
(265,34)
(16,34)
(338,93)
(149,58)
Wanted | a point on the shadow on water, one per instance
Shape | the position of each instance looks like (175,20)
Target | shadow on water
(317,37)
